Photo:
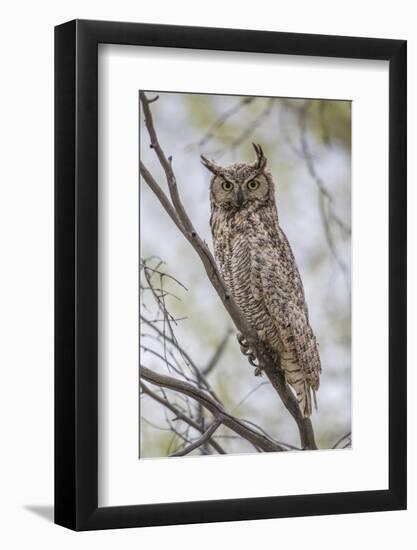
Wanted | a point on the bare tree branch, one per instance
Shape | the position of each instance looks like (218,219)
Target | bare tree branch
(217,354)
(206,371)
(346,438)
(169,364)
(144,264)
(286,445)
(214,407)
(179,415)
(199,375)
(201,440)
(180,217)
(163,199)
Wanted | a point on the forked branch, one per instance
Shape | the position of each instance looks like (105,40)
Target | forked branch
(179,415)
(238,426)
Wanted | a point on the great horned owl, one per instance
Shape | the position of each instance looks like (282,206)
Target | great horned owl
(259,269)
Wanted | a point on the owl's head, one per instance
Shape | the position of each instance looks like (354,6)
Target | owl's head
(238,185)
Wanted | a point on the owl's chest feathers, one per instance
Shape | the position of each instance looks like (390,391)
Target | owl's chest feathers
(232,236)
(240,241)
(240,244)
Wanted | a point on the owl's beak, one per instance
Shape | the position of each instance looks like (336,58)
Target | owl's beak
(240,198)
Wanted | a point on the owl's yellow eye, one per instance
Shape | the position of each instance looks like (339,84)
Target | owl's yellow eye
(227,186)
(253,184)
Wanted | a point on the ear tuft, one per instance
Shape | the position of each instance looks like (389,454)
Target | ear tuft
(261,159)
(210,165)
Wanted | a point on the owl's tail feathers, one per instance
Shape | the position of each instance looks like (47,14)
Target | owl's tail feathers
(303,393)
(308,396)
(313,391)
(305,401)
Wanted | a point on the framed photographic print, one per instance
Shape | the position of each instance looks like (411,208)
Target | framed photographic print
(230,336)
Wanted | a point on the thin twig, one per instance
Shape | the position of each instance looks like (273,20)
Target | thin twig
(248,130)
(339,441)
(223,118)
(179,415)
(248,394)
(200,378)
(217,354)
(214,407)
(169,364)
(201,440)
(144,264)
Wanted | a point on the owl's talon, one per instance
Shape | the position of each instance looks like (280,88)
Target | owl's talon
(258,371)
(242,340)
(246,350)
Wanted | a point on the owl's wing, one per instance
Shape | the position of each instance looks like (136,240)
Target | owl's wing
(291,319)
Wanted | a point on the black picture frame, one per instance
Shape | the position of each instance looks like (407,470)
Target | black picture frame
(76,272)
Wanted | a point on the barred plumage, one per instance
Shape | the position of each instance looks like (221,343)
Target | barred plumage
(259,269)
